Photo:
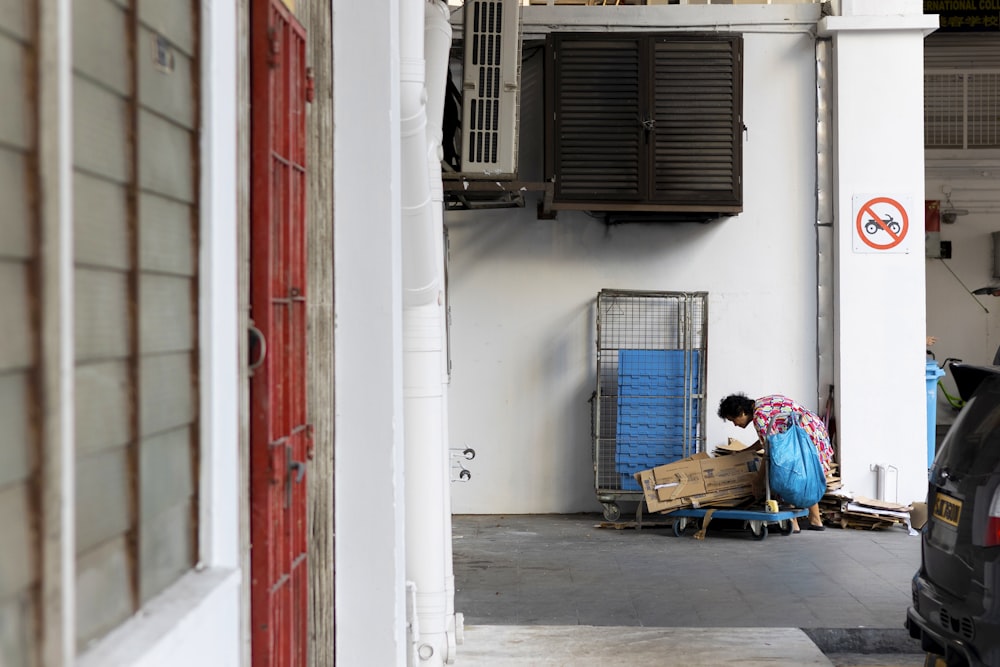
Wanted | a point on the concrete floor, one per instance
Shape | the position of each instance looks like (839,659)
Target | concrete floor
(561,590)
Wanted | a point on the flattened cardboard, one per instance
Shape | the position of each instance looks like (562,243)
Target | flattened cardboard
(698,481)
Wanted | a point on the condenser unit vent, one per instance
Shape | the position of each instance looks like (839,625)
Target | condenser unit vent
(491,87)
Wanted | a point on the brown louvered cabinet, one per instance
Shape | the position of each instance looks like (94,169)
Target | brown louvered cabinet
(645,122)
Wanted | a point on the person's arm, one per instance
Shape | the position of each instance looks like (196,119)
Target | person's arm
(760,426)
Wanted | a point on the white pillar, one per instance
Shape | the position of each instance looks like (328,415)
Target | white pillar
(369,485)
(879,318)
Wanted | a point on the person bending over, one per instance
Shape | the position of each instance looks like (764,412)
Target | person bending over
(770,415)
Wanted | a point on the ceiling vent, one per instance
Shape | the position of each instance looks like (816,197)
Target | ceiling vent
(491,87)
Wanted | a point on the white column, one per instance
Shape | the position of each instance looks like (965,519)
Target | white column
(879,319)
(369,487)
(55,219)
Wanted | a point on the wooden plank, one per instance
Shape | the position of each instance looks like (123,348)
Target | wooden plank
(319,312)
(165,314)
(165,159)
(166,549)
(15,223)
(100,126)
(14,22)
(18,631)
(173,20)
(15,325)
(166,398)
(100,235)
(15,400)
(103,599)
(100,34)
(101,314)
(166,90)
(16,557)
(102,406)
(102,498)
(166,476)
(14,126)
(166,242)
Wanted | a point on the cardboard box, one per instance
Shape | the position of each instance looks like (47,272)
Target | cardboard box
(698,481)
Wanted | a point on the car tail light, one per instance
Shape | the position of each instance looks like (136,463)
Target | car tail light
(992,536)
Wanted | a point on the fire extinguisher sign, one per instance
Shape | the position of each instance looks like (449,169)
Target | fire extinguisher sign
(881,224)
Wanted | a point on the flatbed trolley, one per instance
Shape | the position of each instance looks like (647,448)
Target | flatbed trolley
(757,520)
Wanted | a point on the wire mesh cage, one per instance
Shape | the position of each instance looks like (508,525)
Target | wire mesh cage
(649,402)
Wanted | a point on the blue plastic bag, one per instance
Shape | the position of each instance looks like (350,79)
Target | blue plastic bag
(794,469)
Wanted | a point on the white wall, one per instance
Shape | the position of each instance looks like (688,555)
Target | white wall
(522,292)
(967,326)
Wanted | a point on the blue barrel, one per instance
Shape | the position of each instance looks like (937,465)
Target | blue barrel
(933,373)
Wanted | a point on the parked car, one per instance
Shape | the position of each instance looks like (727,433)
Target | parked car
(956,592)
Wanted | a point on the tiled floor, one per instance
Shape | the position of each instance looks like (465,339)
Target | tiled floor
(565,570)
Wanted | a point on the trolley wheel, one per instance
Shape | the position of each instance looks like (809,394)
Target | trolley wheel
(680,523)
(758,529)
(612,512)
(785,526)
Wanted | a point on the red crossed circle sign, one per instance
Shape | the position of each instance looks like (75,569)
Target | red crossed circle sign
(871,223)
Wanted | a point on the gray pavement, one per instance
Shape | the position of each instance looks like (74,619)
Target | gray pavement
(531,587)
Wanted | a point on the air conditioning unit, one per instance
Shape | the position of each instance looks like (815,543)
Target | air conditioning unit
(491,85)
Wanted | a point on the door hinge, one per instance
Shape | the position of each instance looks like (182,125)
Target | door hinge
(310,85)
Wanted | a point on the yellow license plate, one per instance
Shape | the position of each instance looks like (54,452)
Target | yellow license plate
(947,509)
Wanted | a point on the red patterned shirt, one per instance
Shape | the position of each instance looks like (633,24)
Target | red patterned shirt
(770,416)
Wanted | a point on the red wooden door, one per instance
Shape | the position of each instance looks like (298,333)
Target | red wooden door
(279,435)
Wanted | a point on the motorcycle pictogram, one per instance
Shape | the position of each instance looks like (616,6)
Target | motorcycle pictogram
(872,226)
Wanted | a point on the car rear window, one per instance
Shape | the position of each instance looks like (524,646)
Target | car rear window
(973,442)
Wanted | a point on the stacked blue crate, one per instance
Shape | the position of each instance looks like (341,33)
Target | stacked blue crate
(651,399)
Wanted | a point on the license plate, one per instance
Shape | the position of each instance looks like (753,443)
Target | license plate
(947,509)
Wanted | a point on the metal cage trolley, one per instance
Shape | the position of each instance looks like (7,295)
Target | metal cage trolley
(648,408)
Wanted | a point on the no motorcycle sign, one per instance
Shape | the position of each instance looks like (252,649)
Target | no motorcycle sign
(881,224)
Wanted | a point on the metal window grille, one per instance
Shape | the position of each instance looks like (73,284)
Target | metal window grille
(650,397)
(962,108)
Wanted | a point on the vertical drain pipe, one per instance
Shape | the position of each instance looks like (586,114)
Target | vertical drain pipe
(825,342)
(425,477)
(437,47)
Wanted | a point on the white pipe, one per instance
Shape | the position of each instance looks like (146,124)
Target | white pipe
(423,397)
(420,284)
(437,46)
(55,176)
(426,478)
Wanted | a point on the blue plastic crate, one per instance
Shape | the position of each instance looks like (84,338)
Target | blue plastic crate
(651,399)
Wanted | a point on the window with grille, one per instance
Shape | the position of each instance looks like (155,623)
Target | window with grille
(645,122)
(961,90)
(962,108)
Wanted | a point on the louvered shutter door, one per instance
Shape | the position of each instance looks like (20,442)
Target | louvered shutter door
(598,137)
(696,106)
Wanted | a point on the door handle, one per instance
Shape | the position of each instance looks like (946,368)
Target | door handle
(256,335)
(299,468)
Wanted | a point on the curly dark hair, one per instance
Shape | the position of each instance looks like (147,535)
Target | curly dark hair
(734,405)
